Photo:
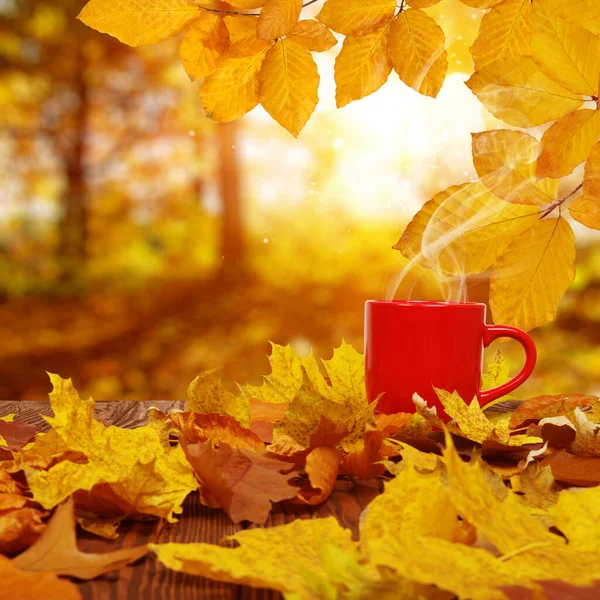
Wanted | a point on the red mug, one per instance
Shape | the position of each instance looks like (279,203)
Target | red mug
(414,346)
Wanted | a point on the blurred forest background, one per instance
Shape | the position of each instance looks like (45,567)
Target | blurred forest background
(141,243)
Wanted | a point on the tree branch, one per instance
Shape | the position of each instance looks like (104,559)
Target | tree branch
(560,202)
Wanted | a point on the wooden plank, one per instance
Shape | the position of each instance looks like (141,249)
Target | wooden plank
(150,580)
(126,414)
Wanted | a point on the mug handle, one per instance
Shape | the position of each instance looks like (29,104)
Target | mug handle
(493,332)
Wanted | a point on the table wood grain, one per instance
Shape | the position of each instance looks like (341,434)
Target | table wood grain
(148,579)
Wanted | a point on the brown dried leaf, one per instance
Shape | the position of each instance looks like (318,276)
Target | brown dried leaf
(56,551)
(241,481)
(217,429)
(34,586)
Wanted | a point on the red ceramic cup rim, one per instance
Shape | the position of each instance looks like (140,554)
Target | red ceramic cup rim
(429,303)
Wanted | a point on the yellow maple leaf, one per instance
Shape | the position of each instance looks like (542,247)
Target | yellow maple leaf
(289,85)
(505,161)
(312,36)
(285,379)
(280,558)
(277,18)
(362,66)
(586,208)
(497,372)
(566,52)
(515,90)
(304,417)
(136,22)
(416,47)
(531,275)
(568,142)
(232,89)
(463,229)
(504,31)
(204,42)
(206,395)
(512,527)
(243,37)
(132,462)
(357,17)
(577,514)
(413,503)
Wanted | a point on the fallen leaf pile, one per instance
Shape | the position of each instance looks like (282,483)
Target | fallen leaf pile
(482,507)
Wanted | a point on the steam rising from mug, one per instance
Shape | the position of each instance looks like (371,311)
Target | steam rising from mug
(440,251)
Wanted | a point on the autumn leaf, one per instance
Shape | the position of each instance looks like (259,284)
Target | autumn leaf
(538,486)
(416,47)
(574,470)
(136,22)
(14,434)
(206,395)
(322,468)
(30,586)
(543,407)
(586,209)
(281,558)
(312,36)
(102,527)
(242,482)
(289,84)
(56,551)
(356,17)
(577,514)
(20,525)
(504,31)
(277,18)
(362,66)
(581,12)
(243,36)
(568,142)
(232,89)
(343,403)
(515,90)
(247,3)
(481,4)
(285,379)
(531,275)
(204,42)
(464,228)
(567,53)
(505,161)
(422,3)
(413,503)
(132,463)
(213,428)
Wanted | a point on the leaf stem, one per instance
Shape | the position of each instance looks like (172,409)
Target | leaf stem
(244,14)
(560,202)
(523,549)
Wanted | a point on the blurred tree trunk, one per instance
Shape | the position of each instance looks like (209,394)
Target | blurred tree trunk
(73,227)
(230,189)
(232,231)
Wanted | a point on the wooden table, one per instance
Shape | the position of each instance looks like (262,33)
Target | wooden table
(148,579)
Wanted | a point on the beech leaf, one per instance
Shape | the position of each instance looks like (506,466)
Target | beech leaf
(531,275)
